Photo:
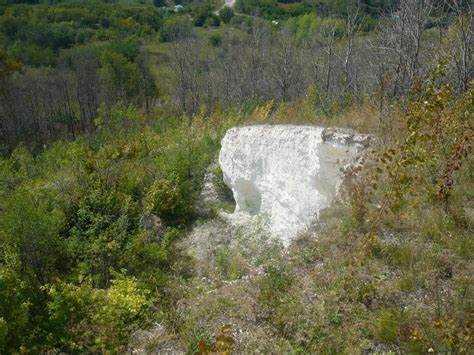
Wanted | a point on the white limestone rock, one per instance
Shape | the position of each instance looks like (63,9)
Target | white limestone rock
(286,173)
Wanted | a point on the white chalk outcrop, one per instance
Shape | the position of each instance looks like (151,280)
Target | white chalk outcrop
(286,173)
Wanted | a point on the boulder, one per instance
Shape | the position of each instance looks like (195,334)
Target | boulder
(286,173)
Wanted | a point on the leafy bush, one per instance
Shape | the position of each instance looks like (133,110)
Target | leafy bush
(309,25)
(215,39)
(212,21)
(170,198)
(175,28)
(118,72)
(226,14)
(272,9)
(45,29)
(77,260)
(89,319)
(202,13)
(15,307)
(277,280)
(29,234)
(424,166)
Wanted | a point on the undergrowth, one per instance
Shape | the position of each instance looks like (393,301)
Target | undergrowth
(389,268)
(88,231)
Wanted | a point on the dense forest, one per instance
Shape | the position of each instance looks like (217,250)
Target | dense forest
(111,113)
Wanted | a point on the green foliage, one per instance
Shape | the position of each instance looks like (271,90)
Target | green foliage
(89,319)
(307,26)
(92,79)
(159,3)
(74,237)
(170,198)
(230,264)
(9,65)
(226,14)
(118,72)
(82,267)
(103,223)
(407,217)
(175,28)
(273,285)
(35,34)
(215,39)
(15,305)
(204,15)
(344,7)
(387,326)
(32,54)
(29,234)
(422,167)
(212,21)
(389,268)
(272,9)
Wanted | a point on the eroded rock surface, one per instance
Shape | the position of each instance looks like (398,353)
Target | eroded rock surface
(286,173)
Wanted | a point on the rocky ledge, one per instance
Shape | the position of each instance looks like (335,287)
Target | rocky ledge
(288,174)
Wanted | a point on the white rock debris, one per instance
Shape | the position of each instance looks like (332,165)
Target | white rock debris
(286,173)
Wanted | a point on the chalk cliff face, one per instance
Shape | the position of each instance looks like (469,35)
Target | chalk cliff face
(286,173)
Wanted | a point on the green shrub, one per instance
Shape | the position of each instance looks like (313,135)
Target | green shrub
(276,281)
(215,39)
(35,34)
(71,219)
(387,326)
(175,28)
(121,77)
(170,199)
(212,21)
(97,320)
(202,13)
(226,14)
(102,227)
(29,234)
(16,301)
(230,264)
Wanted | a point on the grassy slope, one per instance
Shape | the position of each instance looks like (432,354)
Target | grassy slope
(393,278)
(389,268)
(369,279)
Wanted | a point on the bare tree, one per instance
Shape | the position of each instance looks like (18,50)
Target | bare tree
(461,49)
(354,22)
(400,42)
(286,68)
(186,67)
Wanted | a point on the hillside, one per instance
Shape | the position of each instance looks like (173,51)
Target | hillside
(116,229)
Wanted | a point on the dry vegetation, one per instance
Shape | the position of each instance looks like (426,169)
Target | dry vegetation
(388,268)
(106,138)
